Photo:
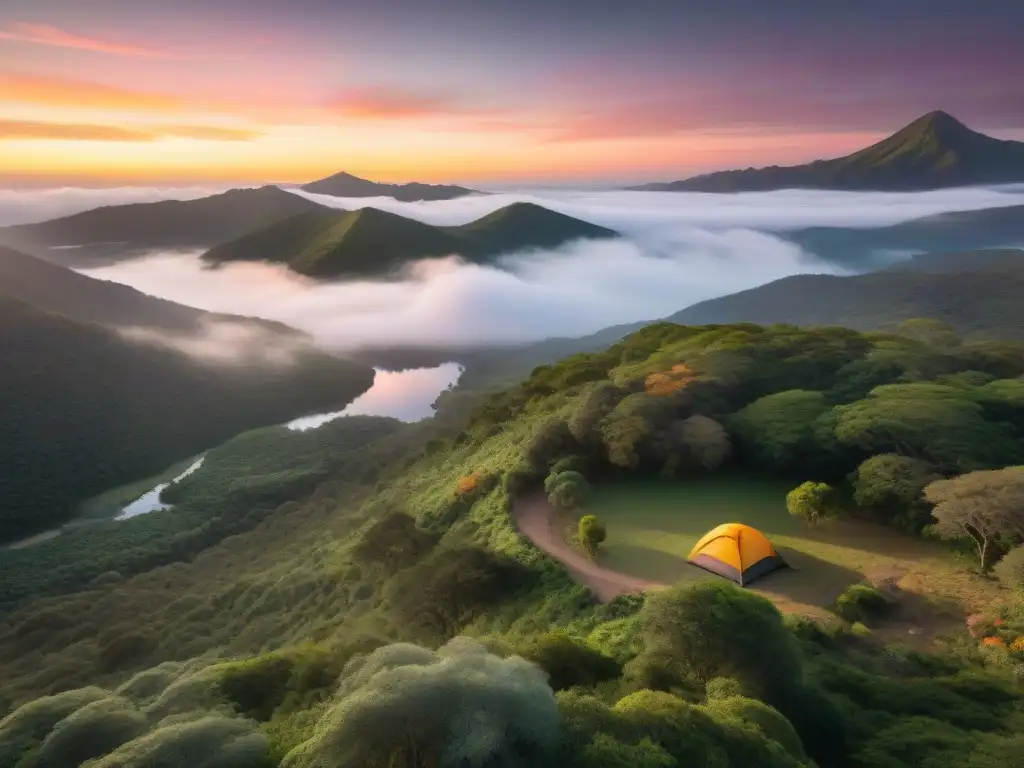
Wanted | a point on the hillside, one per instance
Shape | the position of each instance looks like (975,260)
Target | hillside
(933,152)
(978,294)
(120,231)
(372,243)
(344,597)
(944,232)
(86,299)
(84,409)
(347,185)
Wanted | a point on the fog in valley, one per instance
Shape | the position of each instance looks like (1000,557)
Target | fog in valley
(677,249)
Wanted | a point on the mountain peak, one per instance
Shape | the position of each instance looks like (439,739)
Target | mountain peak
(938,125)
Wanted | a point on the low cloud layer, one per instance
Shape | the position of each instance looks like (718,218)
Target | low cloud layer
(678,250)
(225,342)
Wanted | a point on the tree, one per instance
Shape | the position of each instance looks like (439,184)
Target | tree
(567,490)
(598,402)
(592,533)
(549,442)
(1010,569)
(706,630)
(812,502)
(457,707)
(942,425)
(703,441)
(894,484)
(980,507)
(778,430)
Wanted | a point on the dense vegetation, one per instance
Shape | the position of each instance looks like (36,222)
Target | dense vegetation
(84,409)
(934,151)
(347,185)
(344,625)
(118,231)
(370,242)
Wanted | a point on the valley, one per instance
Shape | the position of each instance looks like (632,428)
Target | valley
(363,404)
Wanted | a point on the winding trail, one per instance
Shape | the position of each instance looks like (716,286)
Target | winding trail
(537,521)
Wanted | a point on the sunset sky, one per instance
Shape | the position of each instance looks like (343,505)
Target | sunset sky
(197,91)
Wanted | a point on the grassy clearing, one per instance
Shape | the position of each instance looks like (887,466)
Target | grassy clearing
(652,526)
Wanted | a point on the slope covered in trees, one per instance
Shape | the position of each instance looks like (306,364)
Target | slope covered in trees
(85,408)
(371,243)
(120,231)
(340,627)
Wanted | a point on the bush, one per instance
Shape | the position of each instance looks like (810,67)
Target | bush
(723,688)
(28,725)
(460,705)
(709,629)
(519,480)
(568,661)
(860,631)
(812,502)
(861,603)
(1010,570)
(93,731)
(592,533)
(212,742)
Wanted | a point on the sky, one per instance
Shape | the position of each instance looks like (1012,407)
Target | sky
(192,92)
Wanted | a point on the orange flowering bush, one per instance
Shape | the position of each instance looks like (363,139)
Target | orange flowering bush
(468,483)
(992,641)
(667,382)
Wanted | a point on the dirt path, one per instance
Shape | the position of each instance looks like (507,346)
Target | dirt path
(536,521)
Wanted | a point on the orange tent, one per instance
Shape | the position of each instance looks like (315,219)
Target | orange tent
(736,551)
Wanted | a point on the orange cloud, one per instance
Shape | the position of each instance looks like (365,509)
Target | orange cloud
(24,129)
(208,132)
(43,34)
(72,92)
(394,104)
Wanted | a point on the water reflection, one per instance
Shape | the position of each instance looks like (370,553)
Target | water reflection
(405,395)
(150,502)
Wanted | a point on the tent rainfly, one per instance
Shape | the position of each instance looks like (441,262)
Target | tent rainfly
(737,552)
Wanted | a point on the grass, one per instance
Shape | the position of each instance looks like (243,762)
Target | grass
(652,526)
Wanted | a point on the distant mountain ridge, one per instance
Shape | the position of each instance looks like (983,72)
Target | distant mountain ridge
(346,185)
(933,152)
(372,243)
(944,232)
(115,232)
(978,293)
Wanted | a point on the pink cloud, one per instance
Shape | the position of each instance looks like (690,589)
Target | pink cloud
(44,34)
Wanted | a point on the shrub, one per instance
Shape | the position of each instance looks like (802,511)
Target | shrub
(569,464)
(32,722)
(519,480)
(460,705)
(92,731)
(213,742)
(568,661)
(860,631)
(723,688)
(592,533)
(812,502)
(710,629)
(1010,570)
(861,603)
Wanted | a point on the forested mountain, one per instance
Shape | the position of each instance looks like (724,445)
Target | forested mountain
(83,408)
(61,290)
(943,232)
(978,293)
(119,231)
(369,242)
(933,152)
(347,185)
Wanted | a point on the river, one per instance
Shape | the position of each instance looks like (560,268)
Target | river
(404,395)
